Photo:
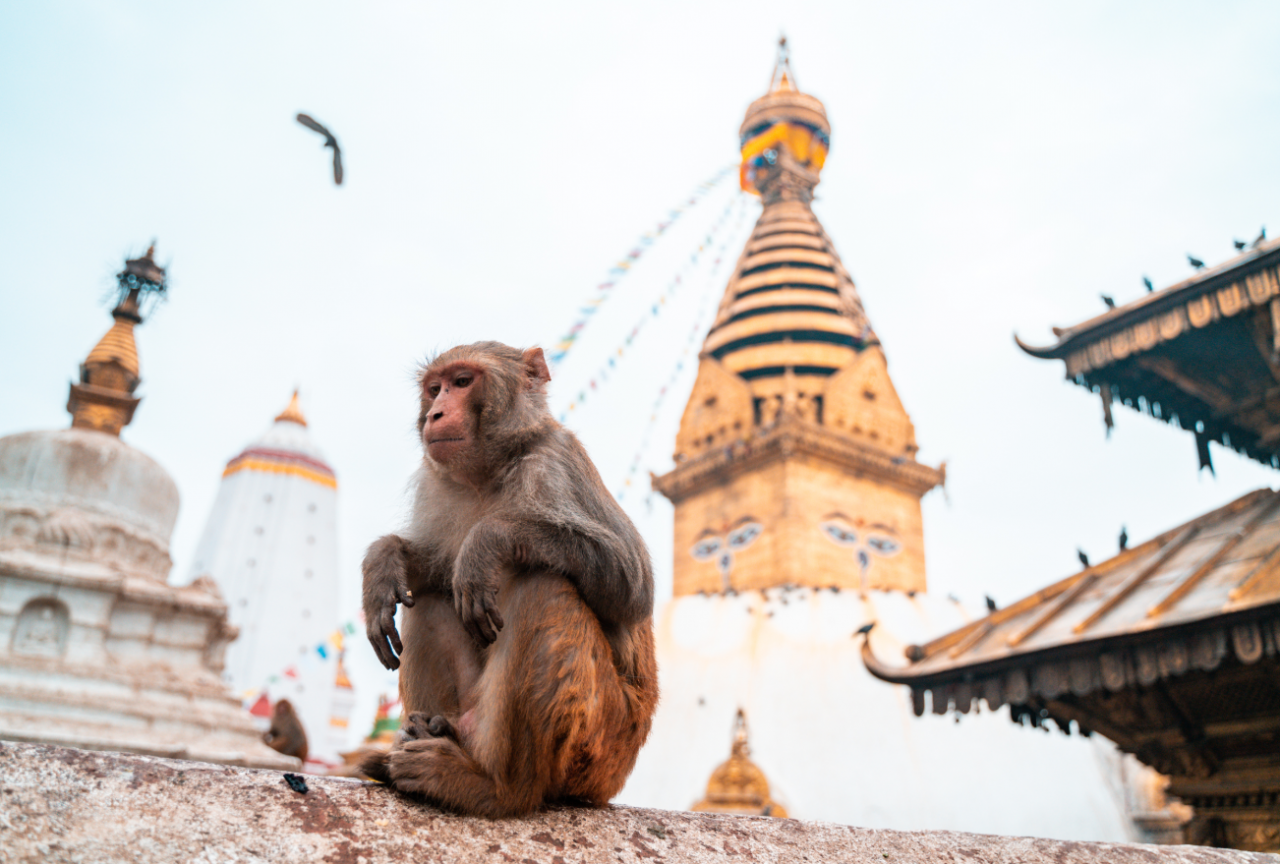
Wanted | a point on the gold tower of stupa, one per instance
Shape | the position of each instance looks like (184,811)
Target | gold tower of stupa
(795,459)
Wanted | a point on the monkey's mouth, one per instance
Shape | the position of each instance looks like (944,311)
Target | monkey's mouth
(442,441)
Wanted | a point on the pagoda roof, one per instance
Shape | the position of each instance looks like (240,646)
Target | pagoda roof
(1221,568)
(1170,649)
(1203,353)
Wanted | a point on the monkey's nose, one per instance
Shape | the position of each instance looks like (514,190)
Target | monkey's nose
(436,416)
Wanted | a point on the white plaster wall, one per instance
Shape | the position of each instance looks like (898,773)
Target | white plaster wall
(271,545)
(838,745)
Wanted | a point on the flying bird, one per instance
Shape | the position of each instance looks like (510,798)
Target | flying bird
(864,629)
(1111,303)
(1262,235)
(1084,559)
(1239,244)
(1195,262)
(1147,282)
(1124,538)
(329,141)
(991,604)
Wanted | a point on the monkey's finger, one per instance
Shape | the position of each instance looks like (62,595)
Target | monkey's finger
(380,647)
(491,610)
(404,595)
(480,621)
(388,622)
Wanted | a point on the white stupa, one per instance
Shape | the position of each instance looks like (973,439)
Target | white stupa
(271,546)
(97,649)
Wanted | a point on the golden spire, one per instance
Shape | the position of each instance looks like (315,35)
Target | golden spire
(783,78)
(293,412)
(104,400)
(739,786)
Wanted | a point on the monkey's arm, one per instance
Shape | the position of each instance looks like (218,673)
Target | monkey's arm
(611,572)
(386,583)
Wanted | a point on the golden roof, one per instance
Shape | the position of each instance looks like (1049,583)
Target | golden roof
(293,412)
(738,785)
(103,399)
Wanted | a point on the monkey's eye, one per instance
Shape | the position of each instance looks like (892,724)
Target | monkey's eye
(433,389)
(464,380)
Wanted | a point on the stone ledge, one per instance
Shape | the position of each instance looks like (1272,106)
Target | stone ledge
(63,805)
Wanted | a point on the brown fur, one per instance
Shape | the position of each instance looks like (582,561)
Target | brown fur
(286,734)
(529,672)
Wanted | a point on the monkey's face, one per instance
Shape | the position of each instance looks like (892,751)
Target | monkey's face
(450,407)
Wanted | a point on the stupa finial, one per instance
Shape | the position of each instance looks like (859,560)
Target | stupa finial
(104,400)
(783,77)
(293,411)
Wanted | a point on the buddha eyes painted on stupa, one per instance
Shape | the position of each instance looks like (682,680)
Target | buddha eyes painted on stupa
(866,538)
(720,547)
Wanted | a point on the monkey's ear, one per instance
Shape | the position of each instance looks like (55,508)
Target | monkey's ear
(535,366)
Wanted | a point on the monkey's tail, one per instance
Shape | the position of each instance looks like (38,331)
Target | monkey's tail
(373,764)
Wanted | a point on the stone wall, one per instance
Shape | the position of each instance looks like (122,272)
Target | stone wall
(63,805)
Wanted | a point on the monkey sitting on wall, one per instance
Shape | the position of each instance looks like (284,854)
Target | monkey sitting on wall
(528,657)
(286,734)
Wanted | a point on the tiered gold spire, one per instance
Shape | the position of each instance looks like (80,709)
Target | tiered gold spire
(738,785)
(794,433)
(104,400)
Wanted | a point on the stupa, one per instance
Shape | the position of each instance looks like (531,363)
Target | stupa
(97,650)
(798,523)
(271,547)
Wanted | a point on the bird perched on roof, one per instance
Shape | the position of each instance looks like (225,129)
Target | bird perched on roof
(864,629)
(329,141)
(1110,301)
(1262,235)
(1147,282)
(991,604)
(1084,559)
(1124,538)
(1195,262)
(1239,244)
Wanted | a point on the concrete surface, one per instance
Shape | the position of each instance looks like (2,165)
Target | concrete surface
(65,805)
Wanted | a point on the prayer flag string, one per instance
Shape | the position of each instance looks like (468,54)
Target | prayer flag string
(624,265)
(614,357)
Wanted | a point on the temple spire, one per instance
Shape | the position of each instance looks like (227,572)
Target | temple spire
(783,77)
(795,458)
(103,400)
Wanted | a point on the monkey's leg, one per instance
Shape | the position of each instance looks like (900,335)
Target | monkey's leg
(440,666)
(548,708)
(441,663)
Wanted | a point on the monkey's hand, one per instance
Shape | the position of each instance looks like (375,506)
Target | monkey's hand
(386,583)
(475,597)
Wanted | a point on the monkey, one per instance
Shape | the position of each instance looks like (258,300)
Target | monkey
(286,734)
(527,667)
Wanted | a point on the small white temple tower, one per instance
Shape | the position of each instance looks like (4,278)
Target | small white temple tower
(271,546)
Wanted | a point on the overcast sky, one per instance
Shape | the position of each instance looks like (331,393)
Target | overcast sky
(994,168)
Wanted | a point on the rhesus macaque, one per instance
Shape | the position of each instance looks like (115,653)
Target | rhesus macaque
(286,734)
(528,659)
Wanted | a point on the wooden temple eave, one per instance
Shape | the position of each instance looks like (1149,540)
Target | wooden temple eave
(1167,354)
(792,437)
(1171,604)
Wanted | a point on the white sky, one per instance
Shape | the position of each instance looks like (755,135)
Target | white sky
(995,166)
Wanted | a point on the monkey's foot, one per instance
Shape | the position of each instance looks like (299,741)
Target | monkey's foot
(420,726)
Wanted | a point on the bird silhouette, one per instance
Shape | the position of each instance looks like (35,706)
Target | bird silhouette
(1239,244)
(329,141)
(1195,262)
(1147,282)
(1111,303)
(1124,538)
(1084,559)
(864,629)
(991,604)
(1262,235)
